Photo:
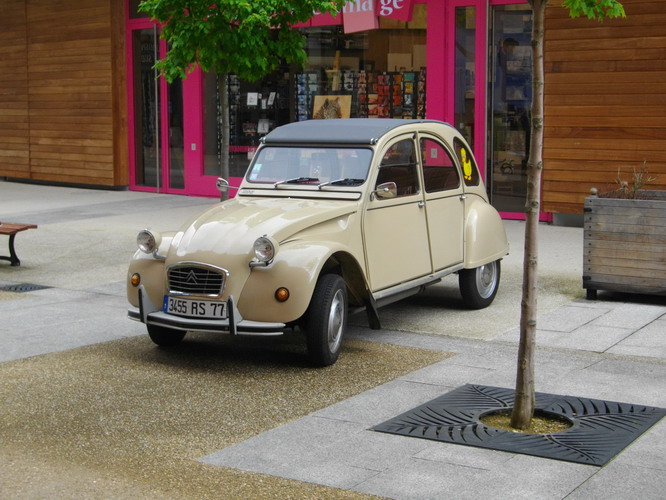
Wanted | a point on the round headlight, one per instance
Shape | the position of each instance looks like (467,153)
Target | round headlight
(264,249)
(147,241)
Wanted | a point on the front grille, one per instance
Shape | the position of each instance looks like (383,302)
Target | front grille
(196,280)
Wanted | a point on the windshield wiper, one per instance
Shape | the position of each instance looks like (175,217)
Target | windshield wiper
(347,181)
(296,180)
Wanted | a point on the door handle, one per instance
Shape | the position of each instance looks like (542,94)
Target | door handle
(421,204)
(463,197)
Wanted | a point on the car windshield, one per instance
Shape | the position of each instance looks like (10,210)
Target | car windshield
(308,165)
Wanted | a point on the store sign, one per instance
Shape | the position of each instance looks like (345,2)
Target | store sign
(395,9)
(361,15)
(324,19)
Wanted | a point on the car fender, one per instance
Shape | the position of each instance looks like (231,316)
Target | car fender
(151,270)
(296,267)
(485,236)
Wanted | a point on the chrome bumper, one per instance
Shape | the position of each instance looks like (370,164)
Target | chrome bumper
(149,314)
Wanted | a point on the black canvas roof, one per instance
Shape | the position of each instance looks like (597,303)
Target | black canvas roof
(340,131)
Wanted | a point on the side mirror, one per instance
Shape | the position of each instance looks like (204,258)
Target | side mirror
(223,185)
(386,191)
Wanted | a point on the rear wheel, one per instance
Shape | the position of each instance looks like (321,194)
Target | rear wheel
(478,286)
(326,320)
(165,337)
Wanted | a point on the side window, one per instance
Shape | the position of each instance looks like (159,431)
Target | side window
(399,165)
(439,170)
(470,172)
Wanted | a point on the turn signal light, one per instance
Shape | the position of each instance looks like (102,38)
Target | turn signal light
(281,294)
(135,279)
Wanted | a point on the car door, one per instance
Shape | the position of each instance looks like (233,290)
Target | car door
(394,225)
(445,206)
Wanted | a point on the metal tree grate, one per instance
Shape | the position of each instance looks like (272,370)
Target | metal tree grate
(600,430)
(23,287)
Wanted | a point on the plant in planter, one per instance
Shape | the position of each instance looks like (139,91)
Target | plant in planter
(625,238)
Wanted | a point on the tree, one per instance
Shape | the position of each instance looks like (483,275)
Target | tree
(246,37)
(523,408)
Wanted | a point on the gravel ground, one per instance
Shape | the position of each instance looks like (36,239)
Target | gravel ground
(125,419)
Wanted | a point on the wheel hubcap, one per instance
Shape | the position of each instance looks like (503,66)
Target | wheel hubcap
(335,321)
(486,279)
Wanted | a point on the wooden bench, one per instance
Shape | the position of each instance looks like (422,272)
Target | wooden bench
(10,230)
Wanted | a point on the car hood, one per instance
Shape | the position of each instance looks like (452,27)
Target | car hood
(231,227)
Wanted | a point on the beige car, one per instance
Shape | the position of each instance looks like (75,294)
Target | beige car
(332,217)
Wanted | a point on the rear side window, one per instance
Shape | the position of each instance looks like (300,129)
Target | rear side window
(439,170)
(470,171)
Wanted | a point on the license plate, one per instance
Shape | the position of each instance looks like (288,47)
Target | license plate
(195,308)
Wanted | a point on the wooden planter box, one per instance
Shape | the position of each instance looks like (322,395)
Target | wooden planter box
(625,245)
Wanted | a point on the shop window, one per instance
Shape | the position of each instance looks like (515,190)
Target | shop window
(439,170)
(510,98)
(147,112)
(212,113)
(255,108)
(464,72)
(372,74)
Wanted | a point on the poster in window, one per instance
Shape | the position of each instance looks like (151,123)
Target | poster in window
(331,106)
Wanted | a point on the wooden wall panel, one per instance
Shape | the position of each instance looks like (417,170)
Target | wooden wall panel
(605,101)
(64,39)
(64,92)
(14,126)
(119,102)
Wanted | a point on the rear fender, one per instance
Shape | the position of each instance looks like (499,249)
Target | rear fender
(485,236)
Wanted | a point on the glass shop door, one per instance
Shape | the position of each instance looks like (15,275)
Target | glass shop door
(510,98)
(156,119)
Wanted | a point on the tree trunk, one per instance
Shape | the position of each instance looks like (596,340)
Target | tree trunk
(224,137)
(523,407)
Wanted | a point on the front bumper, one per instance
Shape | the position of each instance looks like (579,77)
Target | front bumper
(149,314)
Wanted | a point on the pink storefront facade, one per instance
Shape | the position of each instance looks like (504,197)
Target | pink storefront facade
(466,62)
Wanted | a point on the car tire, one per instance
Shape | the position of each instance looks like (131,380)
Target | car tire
(478,286)
(165,337)
(326,320)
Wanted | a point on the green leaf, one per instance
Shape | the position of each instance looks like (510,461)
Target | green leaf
(595,9)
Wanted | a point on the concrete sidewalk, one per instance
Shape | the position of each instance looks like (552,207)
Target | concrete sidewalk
(613,349)
(335,447)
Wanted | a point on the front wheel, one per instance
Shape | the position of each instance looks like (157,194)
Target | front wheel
(326,320)
(478,286)
(165,337)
